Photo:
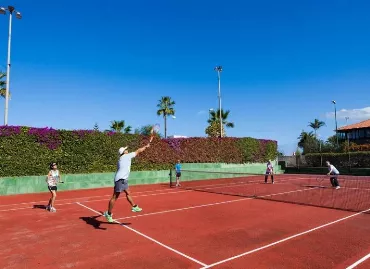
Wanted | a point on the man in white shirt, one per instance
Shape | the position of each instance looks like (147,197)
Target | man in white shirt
(333,172)
(121,180)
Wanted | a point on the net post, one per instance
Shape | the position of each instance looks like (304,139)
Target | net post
(170,174)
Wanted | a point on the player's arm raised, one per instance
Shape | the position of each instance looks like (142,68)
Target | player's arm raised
(140,150)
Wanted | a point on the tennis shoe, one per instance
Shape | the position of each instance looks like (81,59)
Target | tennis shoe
(108,217)
(136,209)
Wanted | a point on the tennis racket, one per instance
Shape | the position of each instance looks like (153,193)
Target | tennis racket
(155,129)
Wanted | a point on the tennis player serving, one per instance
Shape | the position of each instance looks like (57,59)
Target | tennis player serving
(121,179)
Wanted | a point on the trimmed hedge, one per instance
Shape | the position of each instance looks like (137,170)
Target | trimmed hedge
(27,151)
(359,159)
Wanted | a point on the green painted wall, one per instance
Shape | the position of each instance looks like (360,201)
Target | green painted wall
(37,184)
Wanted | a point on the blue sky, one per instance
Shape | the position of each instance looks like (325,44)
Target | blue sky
(77,63)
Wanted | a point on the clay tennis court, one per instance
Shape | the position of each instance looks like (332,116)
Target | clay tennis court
(181,228)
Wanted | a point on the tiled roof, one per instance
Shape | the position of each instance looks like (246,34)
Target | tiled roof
(359,125)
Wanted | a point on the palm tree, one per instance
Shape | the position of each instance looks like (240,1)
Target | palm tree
(316,124)
(165,106)
(213,130)
(145,130)
(215,117)
(117,125)
(127,129)
(305,139)
(2,84)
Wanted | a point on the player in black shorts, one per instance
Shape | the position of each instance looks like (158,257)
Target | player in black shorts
(52,179)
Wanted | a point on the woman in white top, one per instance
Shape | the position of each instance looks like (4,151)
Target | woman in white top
(52,179)
(269,171)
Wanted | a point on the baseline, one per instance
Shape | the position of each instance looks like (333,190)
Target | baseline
(149,238)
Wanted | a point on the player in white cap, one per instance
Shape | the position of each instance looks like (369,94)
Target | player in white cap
(121,180)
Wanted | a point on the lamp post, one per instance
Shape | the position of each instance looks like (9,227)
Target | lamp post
(218,69)
(336,124)
(18,15)
(349,154)
(319,140)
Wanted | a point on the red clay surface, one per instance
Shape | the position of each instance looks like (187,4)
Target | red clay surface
(204,226)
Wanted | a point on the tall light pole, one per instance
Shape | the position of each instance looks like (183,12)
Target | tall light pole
(218,69)
(18,15)
(349,154)
(336,124)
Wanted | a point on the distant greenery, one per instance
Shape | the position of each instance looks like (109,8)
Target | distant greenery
(165,108)
(358,159)
(118,126)
(213,129)
(27,151)
(2,84)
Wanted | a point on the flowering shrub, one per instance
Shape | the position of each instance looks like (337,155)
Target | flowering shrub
(28,151)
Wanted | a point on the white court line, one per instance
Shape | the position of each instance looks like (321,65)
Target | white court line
(184,208)
(70,203)
(358,262)
(285,239)
(156,192)
(107,195)
(207,205)
(78,198)
(150,238)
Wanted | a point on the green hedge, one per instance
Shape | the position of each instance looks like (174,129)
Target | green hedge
(27,151)
(359,159)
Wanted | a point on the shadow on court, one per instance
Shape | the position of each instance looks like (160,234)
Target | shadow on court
(39,207)
(94,222)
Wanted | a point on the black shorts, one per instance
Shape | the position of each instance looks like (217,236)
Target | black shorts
(52,188)
(178,174)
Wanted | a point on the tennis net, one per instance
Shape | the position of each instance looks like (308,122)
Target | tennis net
(311,190)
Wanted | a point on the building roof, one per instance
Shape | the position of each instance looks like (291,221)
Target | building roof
(359,125)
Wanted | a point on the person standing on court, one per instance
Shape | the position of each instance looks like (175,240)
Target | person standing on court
(269,171)
(53,178)
(178,173)
(121,180)
(333,172)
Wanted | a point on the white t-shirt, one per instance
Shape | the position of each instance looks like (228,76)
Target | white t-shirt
(53,179)
(269,168)
(124,166)
(333,169)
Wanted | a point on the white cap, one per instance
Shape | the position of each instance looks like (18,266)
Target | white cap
(122,150)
